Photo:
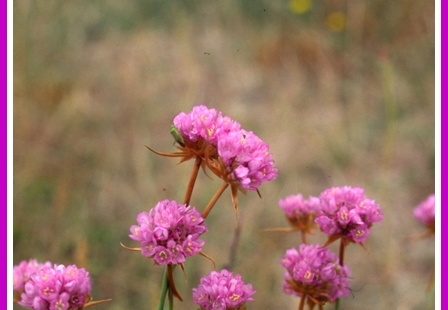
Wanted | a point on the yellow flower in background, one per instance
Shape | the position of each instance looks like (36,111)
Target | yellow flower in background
(300,6)
(336,21)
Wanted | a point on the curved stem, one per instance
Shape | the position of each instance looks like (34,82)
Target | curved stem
(166,154)
(193,176)
(163,290)
(214,199)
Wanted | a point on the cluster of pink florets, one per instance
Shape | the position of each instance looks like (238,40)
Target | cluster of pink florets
(222,290)
(51,287)
(346,212)
(169,232)
(313,270)
(340,212)
(425,211)
(245,157)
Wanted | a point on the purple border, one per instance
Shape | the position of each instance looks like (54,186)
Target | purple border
(4,121)
(443,35)
(4,167)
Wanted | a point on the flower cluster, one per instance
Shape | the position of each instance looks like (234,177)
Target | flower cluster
(300,212)
(204,124)
(314,271)
(347,213)
(246,159)
(169,232)
(23,271)
(425,211)
(222,291)
(237,156)
(56,287)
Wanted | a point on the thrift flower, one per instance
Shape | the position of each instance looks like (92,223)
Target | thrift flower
(246,158)
(23,271)
(222,291)
(300,212)
(314,271)
(57,288)
(346,213)
(240,158)
(425,212)
(169,232)
(204,124)
(235,155)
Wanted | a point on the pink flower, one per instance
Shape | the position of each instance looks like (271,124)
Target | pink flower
(300,212)
(57,288)
(314,271)
(23,271)
(296,205)
(425,211)
(169,232)
(246,159)
(237,156)
(204,123)
(222,290)
(347,213)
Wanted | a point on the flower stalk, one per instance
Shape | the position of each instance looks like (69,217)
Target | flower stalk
(214,199)
(192,181)
(163,290)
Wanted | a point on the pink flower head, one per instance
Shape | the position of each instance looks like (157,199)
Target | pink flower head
(425,211)
(222,291)
(347,213)
(23,271)
(237,156)
(246,159)
(169,232)
(204,124)
(314,271)
(57,288)
(300,212)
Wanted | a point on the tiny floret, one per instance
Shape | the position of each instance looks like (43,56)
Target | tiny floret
(222,291)
(169,232)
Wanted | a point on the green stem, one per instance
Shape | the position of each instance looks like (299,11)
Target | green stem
(170,300)
(163,290)
(336,305)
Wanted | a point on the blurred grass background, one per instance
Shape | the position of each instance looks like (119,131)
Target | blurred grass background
(343,91)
